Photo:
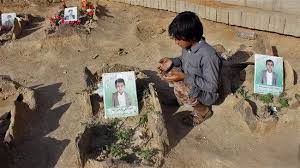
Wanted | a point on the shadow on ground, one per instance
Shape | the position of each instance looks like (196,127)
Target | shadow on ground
(38,149)
(102,11)
(34,25)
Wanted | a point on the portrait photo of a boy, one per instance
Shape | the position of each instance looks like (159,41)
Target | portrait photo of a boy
(8,19)
(120,95)
(268,74)
(70,14)
(120,98)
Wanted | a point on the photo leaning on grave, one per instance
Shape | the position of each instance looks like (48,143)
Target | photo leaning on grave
(149,84)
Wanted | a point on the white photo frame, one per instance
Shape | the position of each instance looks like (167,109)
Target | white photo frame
(7,19)
(71,14)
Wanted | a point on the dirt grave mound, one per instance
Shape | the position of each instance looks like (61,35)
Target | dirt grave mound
(17,104)
(64,37)
(257,111)
(146,30)
(134,141)
(23,25)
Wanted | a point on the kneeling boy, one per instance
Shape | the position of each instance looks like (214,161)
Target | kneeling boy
(195,73)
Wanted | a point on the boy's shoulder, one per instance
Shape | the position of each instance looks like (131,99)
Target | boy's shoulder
(207,51)
(205,47)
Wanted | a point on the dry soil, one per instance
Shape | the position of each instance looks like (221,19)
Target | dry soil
(54,68)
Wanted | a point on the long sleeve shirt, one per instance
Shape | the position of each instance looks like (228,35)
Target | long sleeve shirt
(201,65)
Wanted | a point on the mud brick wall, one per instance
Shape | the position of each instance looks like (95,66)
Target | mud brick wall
(9,1)
(284,6)
(254,18)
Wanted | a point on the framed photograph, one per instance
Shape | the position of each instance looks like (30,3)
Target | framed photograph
(8,19)
(268,74)
(71,14)
(119,93)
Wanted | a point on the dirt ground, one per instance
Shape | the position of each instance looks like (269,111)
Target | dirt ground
(54,68)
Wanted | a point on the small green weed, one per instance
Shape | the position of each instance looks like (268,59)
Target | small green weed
(124,135)
(243,92)
(266,99)
(283,100)
(146,154)
(117,151)
(143,120)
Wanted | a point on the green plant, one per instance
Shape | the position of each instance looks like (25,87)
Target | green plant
(266,99)
(124,135)
(117,151)
(243,92)
(143,120)
(146,154)
(283,100)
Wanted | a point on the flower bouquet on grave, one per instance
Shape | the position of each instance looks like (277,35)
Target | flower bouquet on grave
(86,12)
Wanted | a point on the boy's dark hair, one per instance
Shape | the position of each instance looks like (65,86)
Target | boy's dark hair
(186,26)
(269,61)
(120,80)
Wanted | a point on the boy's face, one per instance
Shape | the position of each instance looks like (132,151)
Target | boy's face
(120,87)
(270,66)
(183,43)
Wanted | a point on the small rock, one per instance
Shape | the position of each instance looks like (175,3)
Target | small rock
(122,52)
(247,35)
(96,56)
(65,72)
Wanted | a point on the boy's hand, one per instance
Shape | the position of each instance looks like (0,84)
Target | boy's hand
(164,64)
(174,76)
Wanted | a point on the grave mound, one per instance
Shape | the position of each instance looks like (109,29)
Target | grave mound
(17,104)
(125,142)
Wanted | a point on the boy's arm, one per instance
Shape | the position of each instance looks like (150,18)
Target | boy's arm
(209,80)
(177,61)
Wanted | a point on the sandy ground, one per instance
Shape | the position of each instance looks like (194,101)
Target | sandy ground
(54,68)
